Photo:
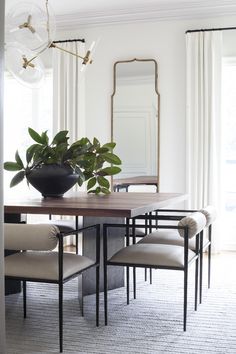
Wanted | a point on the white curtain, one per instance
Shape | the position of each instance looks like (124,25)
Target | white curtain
(68,95)
(204,141)
(68,90)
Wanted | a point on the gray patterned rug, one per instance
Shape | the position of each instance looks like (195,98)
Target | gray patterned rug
(150,324)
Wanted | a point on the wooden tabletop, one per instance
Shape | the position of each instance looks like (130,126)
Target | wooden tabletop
(79,203)
(152,180)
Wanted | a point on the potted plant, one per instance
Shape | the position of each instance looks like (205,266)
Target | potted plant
(54,167)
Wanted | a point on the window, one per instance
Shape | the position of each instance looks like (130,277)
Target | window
(23,108)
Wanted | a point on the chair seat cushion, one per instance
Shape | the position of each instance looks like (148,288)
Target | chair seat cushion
(44,265)
(170,237)
(152,254)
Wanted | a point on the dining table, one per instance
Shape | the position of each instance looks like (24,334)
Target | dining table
(124,183)
(95,209)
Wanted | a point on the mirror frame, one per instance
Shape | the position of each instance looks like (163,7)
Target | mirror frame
(158,108)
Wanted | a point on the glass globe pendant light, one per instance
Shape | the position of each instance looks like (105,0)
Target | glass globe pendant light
(29,73)
(31,25)
(30,30)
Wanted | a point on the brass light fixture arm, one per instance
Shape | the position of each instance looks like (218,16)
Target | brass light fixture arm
(53,45)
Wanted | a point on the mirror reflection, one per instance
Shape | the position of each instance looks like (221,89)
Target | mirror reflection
(135,122)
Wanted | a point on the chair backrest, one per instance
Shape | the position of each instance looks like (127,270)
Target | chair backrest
(34,237)
(210,214)
(195,223)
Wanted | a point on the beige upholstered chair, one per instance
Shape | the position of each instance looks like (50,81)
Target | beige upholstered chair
(160,256)
(38,261)
(172,238)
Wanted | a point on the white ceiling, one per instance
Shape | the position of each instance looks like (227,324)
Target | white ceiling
(73,13)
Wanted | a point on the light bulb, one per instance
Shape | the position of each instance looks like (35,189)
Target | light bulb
(19,64)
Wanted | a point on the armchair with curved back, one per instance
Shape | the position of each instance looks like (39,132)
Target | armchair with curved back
(165,237)
(159,256)
(41,258)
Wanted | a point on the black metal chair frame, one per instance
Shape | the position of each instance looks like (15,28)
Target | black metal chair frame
(202,247)
(61,281)
(185,268)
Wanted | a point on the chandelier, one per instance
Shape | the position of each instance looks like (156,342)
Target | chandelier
(30,31)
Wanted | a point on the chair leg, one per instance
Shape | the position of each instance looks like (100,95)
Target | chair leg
(150,275)
(105,295)
(134,281)
(61,317)
(196,284)
(201,268)
(82,306)
(127,284)
(76,236)
(145,274)
(185,298)
(24,298)
(209,266)
(97,296)
(76,243)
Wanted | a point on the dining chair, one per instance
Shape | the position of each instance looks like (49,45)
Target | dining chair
(166,237)
(159,256)
(41,258)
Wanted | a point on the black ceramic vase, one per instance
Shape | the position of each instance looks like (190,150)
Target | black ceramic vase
(52,180)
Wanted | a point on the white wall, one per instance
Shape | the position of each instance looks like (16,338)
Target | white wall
(2,300)
(165,42)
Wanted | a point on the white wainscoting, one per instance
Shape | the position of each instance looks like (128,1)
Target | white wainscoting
(135,135)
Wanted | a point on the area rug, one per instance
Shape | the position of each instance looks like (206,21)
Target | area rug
(151,324)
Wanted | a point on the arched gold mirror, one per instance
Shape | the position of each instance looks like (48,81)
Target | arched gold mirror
(135,125)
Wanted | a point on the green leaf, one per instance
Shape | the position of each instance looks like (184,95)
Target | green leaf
(80,173)
(80,181)
(12,166)
(60,150)
(31,151)
(87,175)
(45,138)
(17,178)
(105,191)
(82,142)
(112,158)
(103,182)
(35,136)
(92,191)
(102,150)
(96,142)
(60,137)
(109,171)
(18,159)
(98,190)
(110,145)
(91,183)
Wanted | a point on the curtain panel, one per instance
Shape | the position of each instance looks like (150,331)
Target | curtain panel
(203,122)
(68,91)
(69,95)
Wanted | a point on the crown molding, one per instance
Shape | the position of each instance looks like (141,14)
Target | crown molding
(196,9)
